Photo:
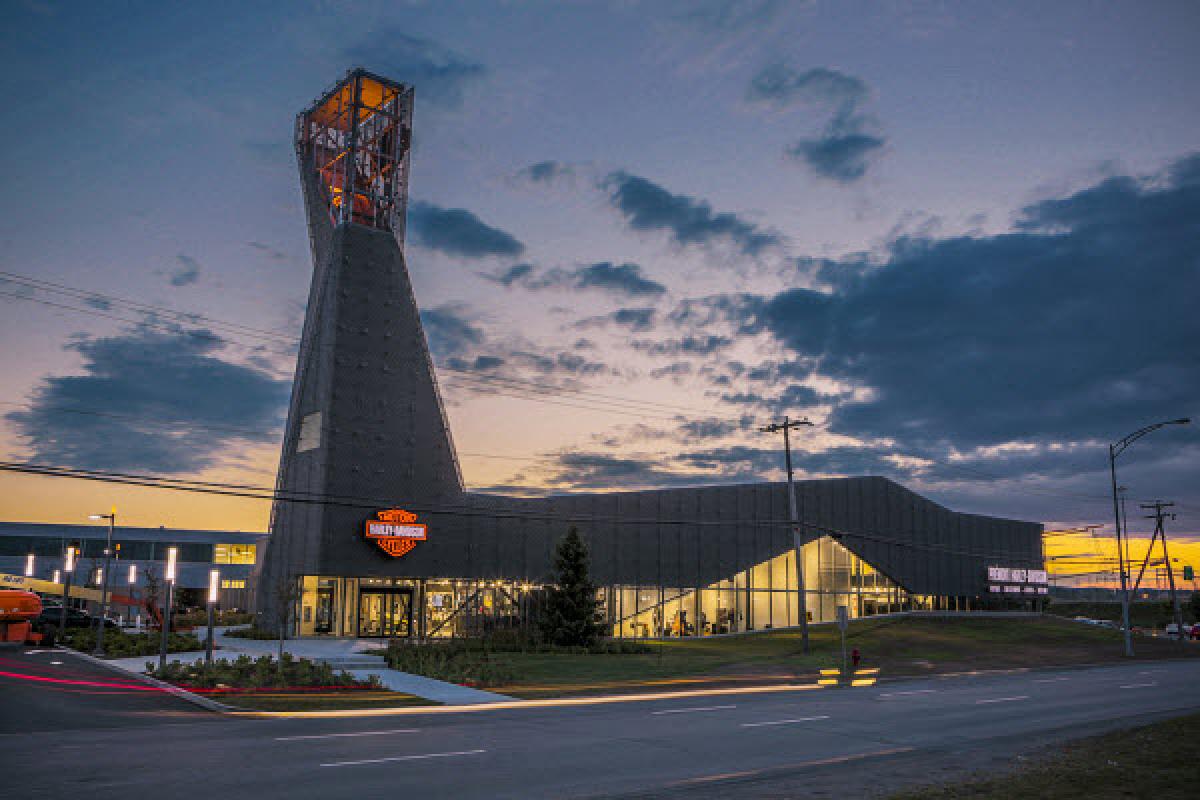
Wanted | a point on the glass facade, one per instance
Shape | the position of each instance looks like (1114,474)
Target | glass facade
(761,597)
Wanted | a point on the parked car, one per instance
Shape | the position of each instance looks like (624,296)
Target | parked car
(1174,631)
(51,617)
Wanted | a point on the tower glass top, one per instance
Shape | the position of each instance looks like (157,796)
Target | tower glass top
(355,140)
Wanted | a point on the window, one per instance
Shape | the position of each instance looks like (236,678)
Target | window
(233,583)
(234,553)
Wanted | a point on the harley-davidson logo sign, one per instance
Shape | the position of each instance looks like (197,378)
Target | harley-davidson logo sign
(396,532)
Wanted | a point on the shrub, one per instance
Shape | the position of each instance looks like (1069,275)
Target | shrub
(199,617)
(264,672)
(119,644)
(455,662)
(251,632)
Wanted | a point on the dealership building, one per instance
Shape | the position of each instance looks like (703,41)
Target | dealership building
(373,533)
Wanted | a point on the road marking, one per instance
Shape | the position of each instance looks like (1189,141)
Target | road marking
(1003,699)
(690,710)
(403,758)
(339,735)
(782,721)
(55,662)
(727,776)
(914,691)
(1049,680)
(1138,685)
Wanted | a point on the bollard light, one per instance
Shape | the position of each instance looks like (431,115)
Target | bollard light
(57,576)
(99,576)
(172,553)
(132,574)
(69,565)
(214,581)
(29,566)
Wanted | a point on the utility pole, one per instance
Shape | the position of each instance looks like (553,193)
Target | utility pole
(1158,517)
(794,518)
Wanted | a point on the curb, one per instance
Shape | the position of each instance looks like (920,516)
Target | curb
(170,688)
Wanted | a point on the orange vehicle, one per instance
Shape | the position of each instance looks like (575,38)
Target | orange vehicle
(18,610)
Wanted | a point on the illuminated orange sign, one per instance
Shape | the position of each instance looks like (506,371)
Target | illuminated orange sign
(396,532)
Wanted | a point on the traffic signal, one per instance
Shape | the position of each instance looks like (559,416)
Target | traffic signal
(1188,573)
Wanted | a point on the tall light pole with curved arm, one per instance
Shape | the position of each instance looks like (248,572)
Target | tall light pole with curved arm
(1115,449)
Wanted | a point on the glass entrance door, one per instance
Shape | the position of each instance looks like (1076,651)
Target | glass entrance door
(385,613)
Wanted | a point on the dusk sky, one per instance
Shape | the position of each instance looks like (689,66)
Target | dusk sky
(962,238)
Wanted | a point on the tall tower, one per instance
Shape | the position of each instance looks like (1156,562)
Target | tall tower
(366,427)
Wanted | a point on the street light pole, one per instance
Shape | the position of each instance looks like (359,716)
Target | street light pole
(1115,449)
(214,578)
(112,523)
(68,569)
(169,580)
(794,519)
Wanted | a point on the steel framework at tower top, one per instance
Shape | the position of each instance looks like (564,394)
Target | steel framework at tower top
(356,138)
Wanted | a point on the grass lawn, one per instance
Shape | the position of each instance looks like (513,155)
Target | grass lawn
(898,646)
(1161,761)
(318,701)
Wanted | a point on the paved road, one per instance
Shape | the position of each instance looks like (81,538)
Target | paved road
(53,690)
(837,742)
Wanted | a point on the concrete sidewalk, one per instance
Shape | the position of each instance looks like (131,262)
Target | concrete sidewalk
(347,654)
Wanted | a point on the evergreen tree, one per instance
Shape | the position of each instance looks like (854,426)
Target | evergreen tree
(571,617)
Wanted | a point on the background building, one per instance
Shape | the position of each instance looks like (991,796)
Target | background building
(232,552)
(374,535)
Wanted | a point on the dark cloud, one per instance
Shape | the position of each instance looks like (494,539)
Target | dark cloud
(514,274)
(842,152)
(622,279)
(546,172)
(451,333)
(439,75)
(457,341)
(636,320)
(725,16)
(647,206)
(846,146)
(676,369)
(618,278)
(267,250)
(98,303)
(188,271)
(1077,326)
(702,345)
(782,86)
(714,427)
(458,232)
(151,401)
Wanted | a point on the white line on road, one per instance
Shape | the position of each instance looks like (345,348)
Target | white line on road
(1049,680)
(782,721)
(339,735)
(403,758)
(690,710)
(1138,685)
(913,691)
(1003,699)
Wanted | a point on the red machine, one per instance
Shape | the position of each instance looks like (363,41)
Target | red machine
(18,610)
